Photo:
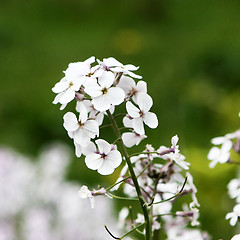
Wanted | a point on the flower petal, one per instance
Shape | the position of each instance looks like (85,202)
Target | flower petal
(101,103)
(67,96)
(60,86)
(150,119)
(132,110)
(106,80)
(115,158)
(138,125)
(115,95)
(70,122)
(93,161)
(103,146)
(144,102)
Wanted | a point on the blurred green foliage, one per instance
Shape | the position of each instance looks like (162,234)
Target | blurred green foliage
(188,53)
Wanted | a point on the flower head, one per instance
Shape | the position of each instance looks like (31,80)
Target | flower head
(105,160)
(84,192)
(142,115)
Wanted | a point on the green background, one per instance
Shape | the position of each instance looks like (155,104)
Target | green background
(188,53)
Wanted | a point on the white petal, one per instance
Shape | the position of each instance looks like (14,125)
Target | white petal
(138,125)
(132,110)
(131,67)
(92,88)
(57,98)
(174,140)
(90,60)
(93,161)
(67,96)
(106,168)
(129,139)
(60,87)
(126,83)
(213,153)
(101,103)
(81,137)
(227,145)
(144,102)
(131,74)
(115,158)
(78,150)
(70,122)
(150,119)
(90,148)
(83,114)
(115,95)
(103,146)
(127,122)
(218,140)
(92,127)
(109,62)
(106,80)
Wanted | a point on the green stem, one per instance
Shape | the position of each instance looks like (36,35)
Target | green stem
(134,178)
(123,198)
(133,229)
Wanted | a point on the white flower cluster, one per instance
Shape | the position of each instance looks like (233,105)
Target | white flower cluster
(38,204)
(98,89)
(161,180)
(229,142)
(222,154)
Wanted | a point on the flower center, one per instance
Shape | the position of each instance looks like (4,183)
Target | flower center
(80,124)
(104,91)
(141,113)
(103,155)
(70,84)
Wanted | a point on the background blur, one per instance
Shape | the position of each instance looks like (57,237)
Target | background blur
(188,53)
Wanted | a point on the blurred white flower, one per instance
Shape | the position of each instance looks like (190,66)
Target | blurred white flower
(84,192)
(38,204)
(220,155)
(234,189)
(234,215)
(236,237)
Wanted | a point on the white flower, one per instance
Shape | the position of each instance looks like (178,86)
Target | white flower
(102,92)
(81,130)
(117,67)
(236,237)
(175,156)
(105,160)
(227,137)
(132,138)
(193,188)
(220,155)
(71,83)
(84,192)
(122,217)
(142,115)
(234,189)
(84,149)
(132,89)
(233,216)
(92,112)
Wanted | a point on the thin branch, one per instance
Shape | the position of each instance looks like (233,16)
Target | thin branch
(110,233)
(108,125)
(168,199)
(123,198)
